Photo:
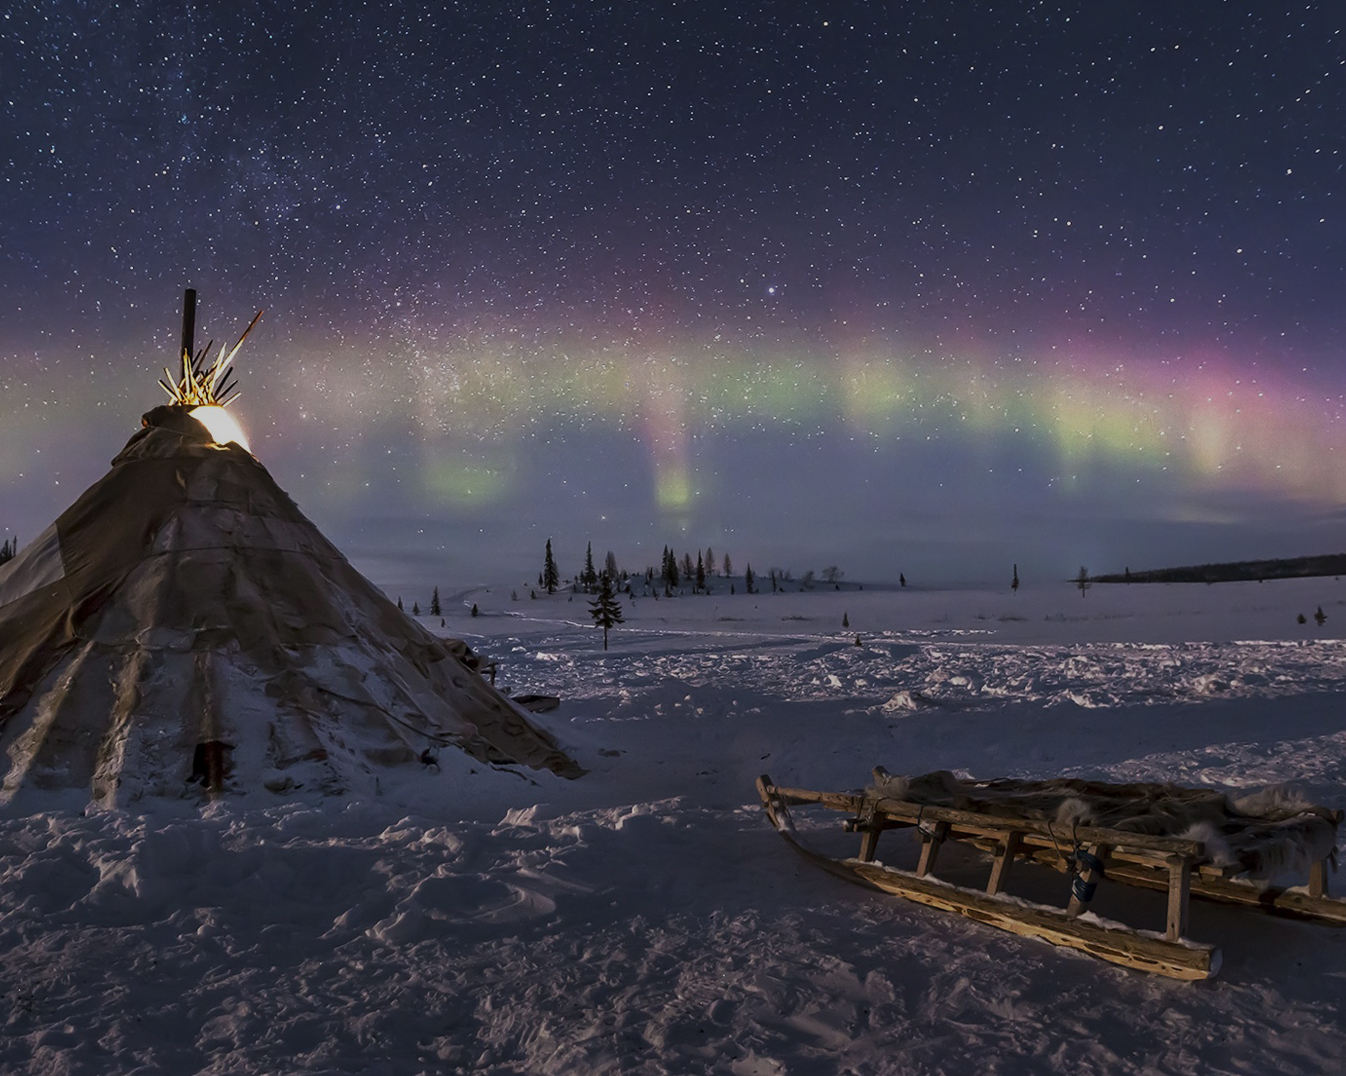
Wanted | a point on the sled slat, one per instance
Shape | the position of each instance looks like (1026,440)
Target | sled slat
(995,825)
(991,825)
(1228,891)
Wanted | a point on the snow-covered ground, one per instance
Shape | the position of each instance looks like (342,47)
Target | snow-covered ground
(645,918)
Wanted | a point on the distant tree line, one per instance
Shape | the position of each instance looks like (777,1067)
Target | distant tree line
(675,574)
(1236,571)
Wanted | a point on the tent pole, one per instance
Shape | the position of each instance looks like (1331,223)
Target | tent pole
(189,323)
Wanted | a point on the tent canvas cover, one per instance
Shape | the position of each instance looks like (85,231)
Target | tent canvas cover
(184,620)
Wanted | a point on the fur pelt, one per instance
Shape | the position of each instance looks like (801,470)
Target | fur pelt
(1265,833)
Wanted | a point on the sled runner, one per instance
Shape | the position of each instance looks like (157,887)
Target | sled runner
(1185,842)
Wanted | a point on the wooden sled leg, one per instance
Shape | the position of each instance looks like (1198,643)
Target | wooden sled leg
(1318,879)
(1179,892)
(930,842)
(1004,856)
(869,841)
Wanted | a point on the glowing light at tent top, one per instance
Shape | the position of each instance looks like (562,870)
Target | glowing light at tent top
(223,427)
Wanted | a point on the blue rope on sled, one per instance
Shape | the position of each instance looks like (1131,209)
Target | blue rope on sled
(1082,863)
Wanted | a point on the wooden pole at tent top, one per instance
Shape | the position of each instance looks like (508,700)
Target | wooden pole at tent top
(189,323)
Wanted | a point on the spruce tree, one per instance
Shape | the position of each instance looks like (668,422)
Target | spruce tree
(1014,583)
(710,561)
(605,609)
(590,577)
(415,608)
(748,580)
(700,573)
(726,565)
(551,578)
(435,608)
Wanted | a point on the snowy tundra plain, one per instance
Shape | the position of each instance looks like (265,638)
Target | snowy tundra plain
(645,918)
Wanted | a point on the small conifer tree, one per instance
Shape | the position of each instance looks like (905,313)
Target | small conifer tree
(605,609)
(551,578)
(700,573)
(748,580)
(435,608)
(590,577)
(670,569)
(726,565)
(415,608)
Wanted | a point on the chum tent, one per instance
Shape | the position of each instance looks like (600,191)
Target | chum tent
(183,621)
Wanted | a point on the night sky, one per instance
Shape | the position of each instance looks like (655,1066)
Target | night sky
(935,288)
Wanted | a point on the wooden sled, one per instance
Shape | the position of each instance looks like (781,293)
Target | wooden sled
(1176,865)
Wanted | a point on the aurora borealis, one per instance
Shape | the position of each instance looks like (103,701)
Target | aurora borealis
(915,287)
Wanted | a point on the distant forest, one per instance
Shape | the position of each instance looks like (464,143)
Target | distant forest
(1243,570)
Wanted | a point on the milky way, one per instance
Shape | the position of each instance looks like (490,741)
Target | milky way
(920,287)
